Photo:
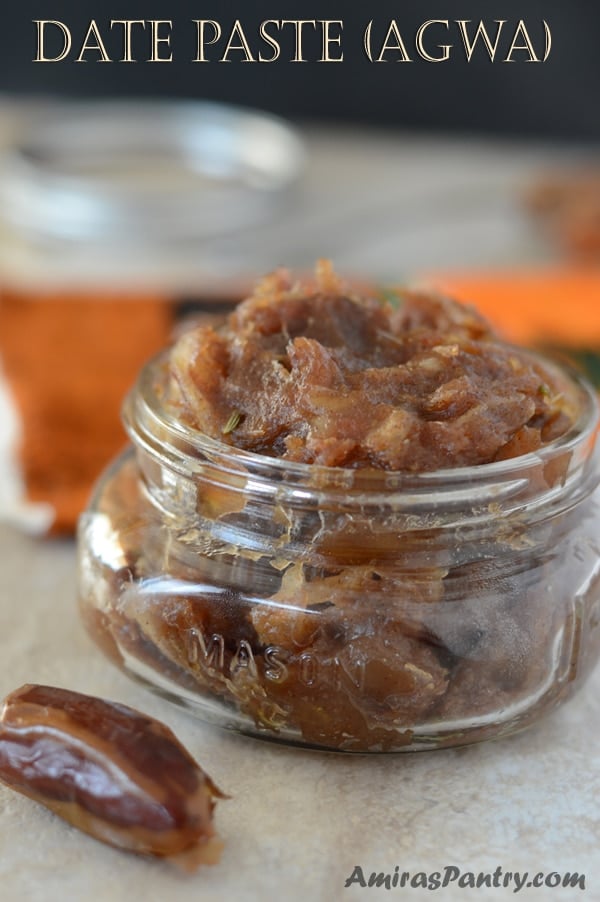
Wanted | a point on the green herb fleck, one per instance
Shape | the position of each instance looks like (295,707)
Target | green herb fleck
(392,296)
(232,423)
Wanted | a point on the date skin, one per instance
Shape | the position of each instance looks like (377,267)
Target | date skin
(111,771)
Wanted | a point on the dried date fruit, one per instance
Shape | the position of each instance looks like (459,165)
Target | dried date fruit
(111,771)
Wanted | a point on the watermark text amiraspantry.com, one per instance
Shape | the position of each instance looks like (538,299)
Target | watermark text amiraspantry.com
(450,875)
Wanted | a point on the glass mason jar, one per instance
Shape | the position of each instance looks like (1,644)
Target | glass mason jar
(345,609)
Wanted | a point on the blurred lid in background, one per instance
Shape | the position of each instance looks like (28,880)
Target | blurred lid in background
(116,220)
(152,184)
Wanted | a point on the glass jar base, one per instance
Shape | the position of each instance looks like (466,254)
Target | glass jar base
(422,738)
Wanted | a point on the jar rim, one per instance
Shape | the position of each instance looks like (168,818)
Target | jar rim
(187,451)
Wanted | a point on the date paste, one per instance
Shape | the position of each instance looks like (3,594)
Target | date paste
(321,376)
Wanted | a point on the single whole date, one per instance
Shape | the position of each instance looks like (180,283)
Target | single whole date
(109,770)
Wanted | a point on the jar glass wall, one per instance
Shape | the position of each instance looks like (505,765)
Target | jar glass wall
(345,609)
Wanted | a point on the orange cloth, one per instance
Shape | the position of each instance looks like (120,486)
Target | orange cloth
(69,360)
(554,305)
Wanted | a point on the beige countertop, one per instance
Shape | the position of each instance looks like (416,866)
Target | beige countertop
(299,822)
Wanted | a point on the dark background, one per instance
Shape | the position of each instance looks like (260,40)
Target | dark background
(559,98)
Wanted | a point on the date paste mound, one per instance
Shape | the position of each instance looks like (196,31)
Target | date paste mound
(349,585)
(315,374)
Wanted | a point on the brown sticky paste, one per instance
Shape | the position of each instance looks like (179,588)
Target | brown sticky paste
(316,374)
